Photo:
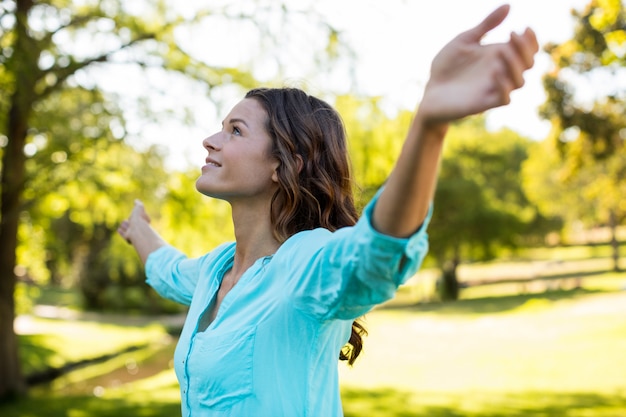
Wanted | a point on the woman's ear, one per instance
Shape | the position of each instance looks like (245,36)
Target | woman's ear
(299,164)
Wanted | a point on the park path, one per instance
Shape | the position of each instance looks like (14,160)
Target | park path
(611,303)
(26,324)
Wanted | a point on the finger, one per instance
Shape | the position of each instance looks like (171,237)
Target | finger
(504,88)
(123,227)
(141,210)
(526,46)
(127,239)
(490,22)
(144,215)
(123,230)
(514,65)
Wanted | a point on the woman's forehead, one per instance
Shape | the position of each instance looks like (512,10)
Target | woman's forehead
(249,110)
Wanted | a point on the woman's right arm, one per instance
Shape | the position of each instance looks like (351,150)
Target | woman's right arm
(171,274)
(138,232)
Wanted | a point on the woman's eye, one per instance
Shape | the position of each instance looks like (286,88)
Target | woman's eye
(236,131)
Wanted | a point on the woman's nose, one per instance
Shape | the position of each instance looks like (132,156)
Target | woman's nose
(213,142)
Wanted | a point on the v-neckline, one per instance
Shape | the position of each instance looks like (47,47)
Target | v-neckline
(204,322)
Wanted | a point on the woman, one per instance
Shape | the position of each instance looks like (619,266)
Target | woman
(270,312)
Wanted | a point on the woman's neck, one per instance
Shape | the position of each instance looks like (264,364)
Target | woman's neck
(254,237)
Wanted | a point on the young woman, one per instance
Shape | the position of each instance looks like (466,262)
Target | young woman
(270,313)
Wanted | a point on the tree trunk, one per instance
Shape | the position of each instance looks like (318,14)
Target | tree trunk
(94,279)
(23,65)
(12,381)
(448,284)
(614,242)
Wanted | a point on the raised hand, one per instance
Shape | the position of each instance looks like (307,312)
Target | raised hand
(137,215)
(138,232)
(468,77)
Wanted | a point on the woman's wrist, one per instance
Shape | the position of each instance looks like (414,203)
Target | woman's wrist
(429,128)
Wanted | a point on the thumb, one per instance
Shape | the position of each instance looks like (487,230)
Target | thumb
(490,22)
(141,210)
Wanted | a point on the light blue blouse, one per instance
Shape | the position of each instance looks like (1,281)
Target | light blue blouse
(273,347)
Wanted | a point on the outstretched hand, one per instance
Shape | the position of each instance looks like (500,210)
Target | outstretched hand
(468,78)
(137,215)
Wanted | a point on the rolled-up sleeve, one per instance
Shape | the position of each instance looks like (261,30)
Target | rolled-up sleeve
(358,268)
(172,274)
(381,263)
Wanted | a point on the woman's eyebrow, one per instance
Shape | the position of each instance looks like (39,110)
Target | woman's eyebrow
(235,120)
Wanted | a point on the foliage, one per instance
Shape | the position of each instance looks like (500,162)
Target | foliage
(586,103)
(74,126)
(480,205)
(374,139)
(586,198)
(82,185)
(479,180)
(67,177)
(190,221)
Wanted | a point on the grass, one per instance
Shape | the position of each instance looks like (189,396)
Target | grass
(139,404)
(553,354)
(558,353)
(400,403)
(58,342)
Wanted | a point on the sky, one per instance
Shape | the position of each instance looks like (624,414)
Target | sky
(394,42)
(432,24)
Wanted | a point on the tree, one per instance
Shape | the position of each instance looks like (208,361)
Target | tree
(586,103)
(52,45)
(75,204)
(480,204)
(575,199)
(73,151)
(374,141)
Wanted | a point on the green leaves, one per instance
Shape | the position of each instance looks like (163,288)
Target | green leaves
(80,177)
(479,204)
(586,103)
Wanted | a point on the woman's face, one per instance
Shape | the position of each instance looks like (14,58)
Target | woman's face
(238,165)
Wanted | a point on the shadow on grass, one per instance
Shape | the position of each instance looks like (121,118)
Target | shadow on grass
(389,402)
(384,402)
(89,406)
(34,353)
(496,304)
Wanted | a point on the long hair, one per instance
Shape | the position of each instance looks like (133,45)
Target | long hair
(314,180)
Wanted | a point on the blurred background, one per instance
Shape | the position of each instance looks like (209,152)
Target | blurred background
(520,309)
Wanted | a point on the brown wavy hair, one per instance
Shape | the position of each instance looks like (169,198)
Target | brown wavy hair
(314,180)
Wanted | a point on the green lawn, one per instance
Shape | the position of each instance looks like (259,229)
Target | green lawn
(59,342)
(558,354)
(554,354)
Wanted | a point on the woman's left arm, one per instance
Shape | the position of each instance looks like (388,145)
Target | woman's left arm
(466,78)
